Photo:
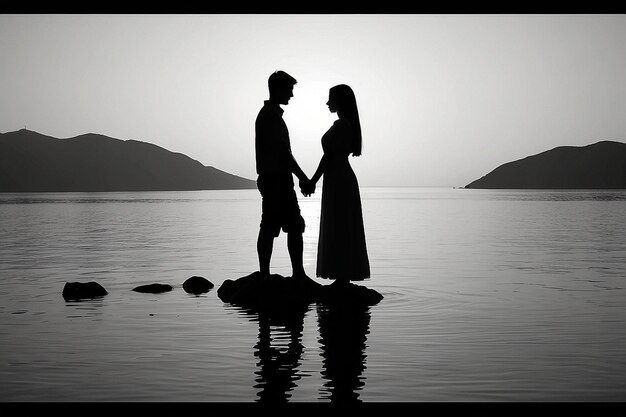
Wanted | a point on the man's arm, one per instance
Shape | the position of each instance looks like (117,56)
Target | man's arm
(295,168)
(306,187)
(273,132)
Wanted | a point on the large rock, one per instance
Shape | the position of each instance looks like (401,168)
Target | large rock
(197,285)
(153,288)
(82,290)
(269,292)
(277,292)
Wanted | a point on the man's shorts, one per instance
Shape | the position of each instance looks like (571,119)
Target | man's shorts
(280,205)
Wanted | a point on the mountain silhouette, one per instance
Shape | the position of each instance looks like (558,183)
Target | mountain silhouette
(598,166)
(32,162)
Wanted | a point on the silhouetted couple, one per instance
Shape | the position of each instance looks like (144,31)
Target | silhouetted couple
(341,251)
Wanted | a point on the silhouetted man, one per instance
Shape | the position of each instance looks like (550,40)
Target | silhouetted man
(275,167)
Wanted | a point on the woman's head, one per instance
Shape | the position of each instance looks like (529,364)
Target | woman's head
(341,99)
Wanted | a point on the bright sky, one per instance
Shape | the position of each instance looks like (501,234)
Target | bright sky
(443,99)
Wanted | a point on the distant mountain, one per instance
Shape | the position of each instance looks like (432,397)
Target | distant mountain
(598,166)
(32,162)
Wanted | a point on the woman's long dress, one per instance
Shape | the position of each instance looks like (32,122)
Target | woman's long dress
(341,249)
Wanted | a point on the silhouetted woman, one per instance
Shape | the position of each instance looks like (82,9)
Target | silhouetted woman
(341,250)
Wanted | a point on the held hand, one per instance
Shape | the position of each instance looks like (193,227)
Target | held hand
(307,187)
(304,189)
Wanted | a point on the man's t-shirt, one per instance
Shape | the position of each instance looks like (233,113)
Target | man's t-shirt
(272,144)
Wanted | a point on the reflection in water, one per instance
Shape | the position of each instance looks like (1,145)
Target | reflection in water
(343,335)
(279,351)
(85,308)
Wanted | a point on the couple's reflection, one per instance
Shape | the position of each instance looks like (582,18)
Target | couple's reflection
(342,338)
(279,352)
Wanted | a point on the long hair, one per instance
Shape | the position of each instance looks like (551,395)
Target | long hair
(346,105)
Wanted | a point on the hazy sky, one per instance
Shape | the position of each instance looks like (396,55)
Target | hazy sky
(443,99)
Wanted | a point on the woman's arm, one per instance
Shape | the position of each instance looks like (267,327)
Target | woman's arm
(308,186)
(320,169)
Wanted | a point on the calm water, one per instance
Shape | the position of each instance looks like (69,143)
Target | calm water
(489,296)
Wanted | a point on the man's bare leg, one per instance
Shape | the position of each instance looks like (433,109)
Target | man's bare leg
(264,247)
(295,246)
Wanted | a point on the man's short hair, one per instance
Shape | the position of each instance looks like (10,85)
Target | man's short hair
(279,80)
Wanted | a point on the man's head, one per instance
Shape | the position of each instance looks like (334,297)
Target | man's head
(281,85)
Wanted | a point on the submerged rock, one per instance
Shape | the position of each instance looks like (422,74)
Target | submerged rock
(153,288)
(82,290)
(349,294)
(277,292)
(197,285)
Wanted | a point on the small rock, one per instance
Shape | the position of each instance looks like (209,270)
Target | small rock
(197,285)
(153,288)
(81,290)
